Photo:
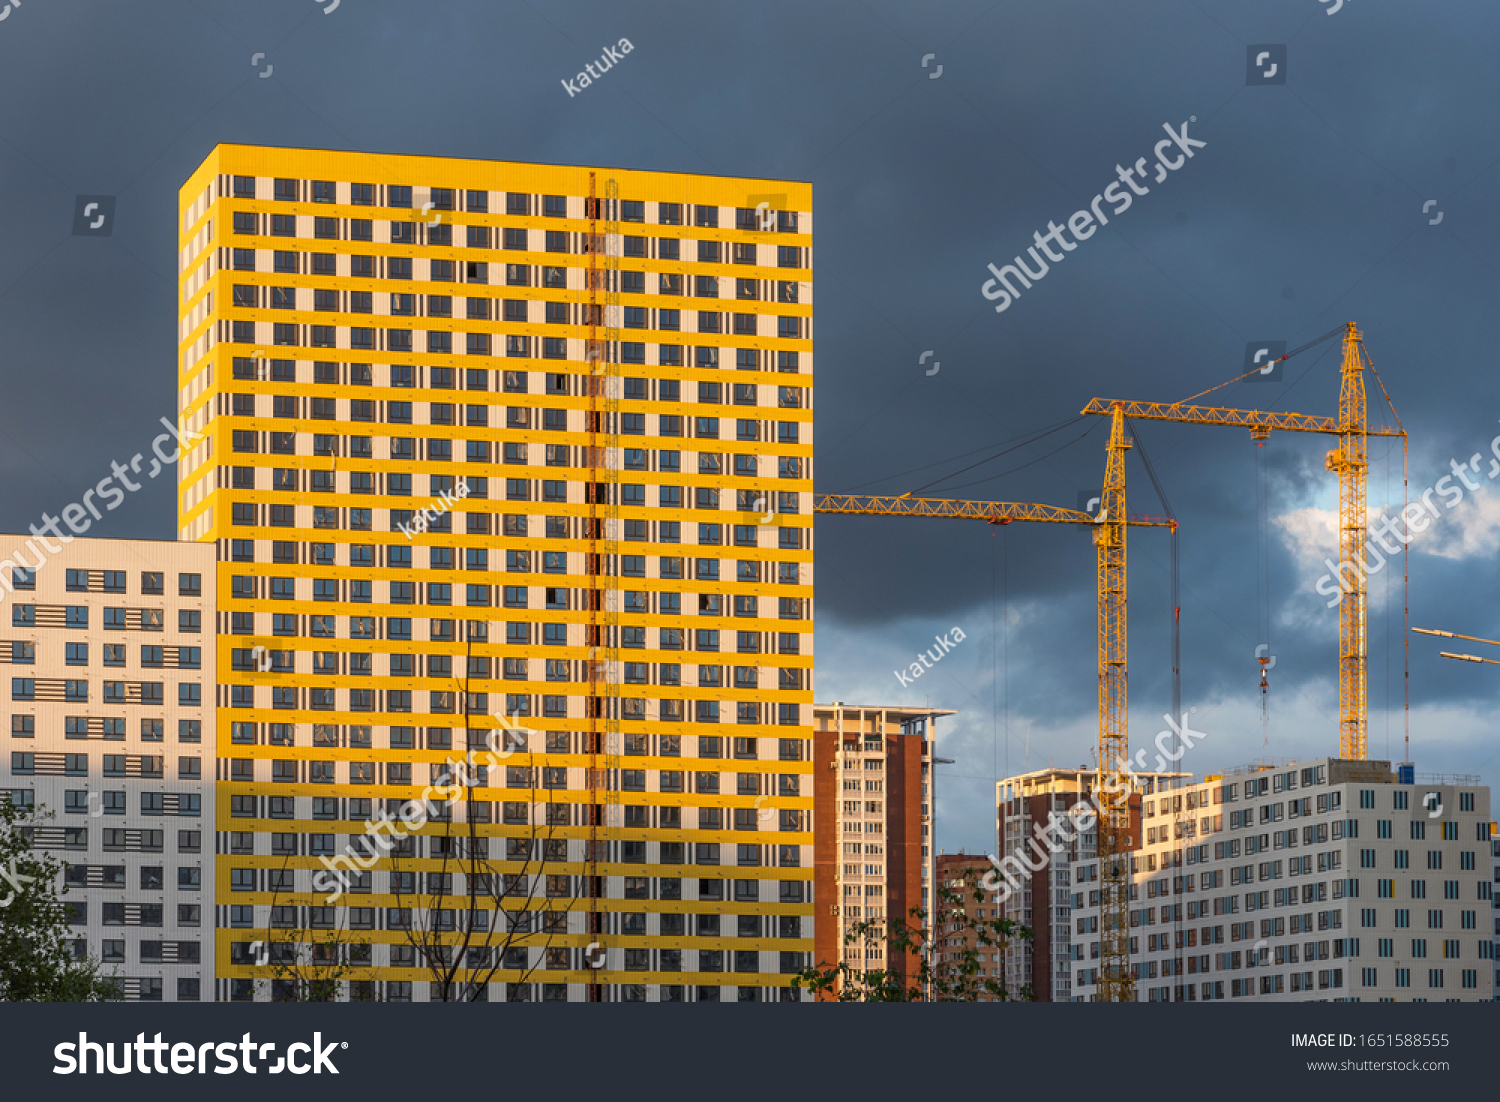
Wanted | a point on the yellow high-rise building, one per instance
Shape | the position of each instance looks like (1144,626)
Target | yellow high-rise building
(506,465)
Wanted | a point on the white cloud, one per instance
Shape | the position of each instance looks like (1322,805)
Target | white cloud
(1310,533)
(1470,529)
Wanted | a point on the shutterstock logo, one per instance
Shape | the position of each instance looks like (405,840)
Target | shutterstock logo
(1264,358)
(187,1059)
(1172,152)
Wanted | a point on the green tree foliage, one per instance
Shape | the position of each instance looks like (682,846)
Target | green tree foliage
(951,972)
(36,962)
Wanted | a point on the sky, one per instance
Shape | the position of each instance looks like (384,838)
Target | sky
(1349,184)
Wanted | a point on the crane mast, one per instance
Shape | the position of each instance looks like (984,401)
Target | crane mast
(1116,983)
(1351,463)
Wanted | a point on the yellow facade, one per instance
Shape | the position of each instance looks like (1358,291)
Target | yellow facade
(358,339)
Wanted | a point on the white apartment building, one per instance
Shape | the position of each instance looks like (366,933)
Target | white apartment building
(1045,900)
(110,646)
(1322,880)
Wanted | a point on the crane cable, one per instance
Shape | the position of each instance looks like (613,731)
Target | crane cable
(1405,560)
(1263,587)
(1020,442)
(1032,440)
(1285,356)
(1166,506)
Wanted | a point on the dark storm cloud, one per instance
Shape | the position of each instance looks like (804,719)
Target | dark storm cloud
(1303,211)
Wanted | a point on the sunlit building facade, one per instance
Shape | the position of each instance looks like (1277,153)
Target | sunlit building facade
(487,448)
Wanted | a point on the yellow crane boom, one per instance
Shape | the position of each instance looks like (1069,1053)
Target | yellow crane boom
(1350,462)
(996,512)
(1253,419)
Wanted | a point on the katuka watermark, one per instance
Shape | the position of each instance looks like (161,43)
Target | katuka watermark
(436,508)
(944,645)
(1417,516)
(383,830)
(79,517)
(1082,223)
(1061,830)
(611,57)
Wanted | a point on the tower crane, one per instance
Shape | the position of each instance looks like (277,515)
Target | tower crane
(1116,984)
(1349,460)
